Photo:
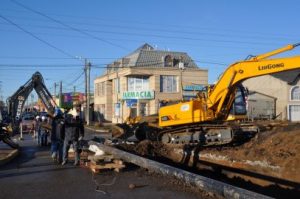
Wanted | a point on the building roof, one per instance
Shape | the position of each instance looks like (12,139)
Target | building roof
(291,77)
(251,93)
(147,56)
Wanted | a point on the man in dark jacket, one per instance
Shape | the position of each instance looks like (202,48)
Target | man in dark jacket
(57,136)
(38,130)
(74,132)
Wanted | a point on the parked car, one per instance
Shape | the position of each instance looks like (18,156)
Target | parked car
(28,123)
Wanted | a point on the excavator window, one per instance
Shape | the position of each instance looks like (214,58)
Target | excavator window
(240,101)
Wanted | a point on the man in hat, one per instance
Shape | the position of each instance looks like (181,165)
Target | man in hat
(57,135)
(74,132)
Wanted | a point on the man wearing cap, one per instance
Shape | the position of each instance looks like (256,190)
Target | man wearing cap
(74,131)
(38,129)
(44,131)
(57,136)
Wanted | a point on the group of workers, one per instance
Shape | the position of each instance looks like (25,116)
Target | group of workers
(66,129)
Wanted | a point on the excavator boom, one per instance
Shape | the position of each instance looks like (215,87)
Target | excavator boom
(218,99)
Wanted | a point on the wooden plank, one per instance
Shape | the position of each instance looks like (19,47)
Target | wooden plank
(106,166)
(97,158)
(96,168)
(120,162)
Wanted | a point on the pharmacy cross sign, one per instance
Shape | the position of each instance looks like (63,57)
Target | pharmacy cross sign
(138,95)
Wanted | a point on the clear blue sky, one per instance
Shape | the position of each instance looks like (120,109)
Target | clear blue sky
(214,33)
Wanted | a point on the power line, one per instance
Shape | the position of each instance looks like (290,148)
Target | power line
(68,26)
(96,65)
(164,42)
(84,31)
(36,37)
(207,62)
(71,83)
(262,36)
(180,27)
(51,58)
(41,65)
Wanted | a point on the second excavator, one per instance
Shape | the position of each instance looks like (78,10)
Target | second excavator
(17,100)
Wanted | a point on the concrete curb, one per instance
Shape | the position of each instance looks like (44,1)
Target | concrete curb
(14,153)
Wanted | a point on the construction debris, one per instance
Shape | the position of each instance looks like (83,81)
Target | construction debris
(96,167)
(100,161)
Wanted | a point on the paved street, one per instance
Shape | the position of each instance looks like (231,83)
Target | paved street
(34,175)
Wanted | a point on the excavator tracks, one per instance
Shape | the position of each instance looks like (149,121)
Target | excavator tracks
(198,134)
(202,134)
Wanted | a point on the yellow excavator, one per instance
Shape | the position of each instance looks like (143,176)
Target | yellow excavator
(209,119)
(203,120)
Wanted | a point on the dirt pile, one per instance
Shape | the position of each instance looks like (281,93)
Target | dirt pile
(277,150)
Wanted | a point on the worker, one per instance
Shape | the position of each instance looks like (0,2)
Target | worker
(74,132)
(38,129)
(57,136)
(44,132)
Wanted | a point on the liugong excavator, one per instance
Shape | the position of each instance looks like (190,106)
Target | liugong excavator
(204,120)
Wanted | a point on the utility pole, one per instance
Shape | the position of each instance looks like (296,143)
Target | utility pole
(54,94)
(87,68)
(60,94)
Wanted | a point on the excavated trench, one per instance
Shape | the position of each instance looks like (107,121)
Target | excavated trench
(267,164)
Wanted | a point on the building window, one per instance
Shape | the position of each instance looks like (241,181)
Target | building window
(168,61)
(116,83)
(100,89)
(100,112)
(133,110)
(295,93)
(117,107)
(168,83)
(96,89)
(143,109)
(138,83)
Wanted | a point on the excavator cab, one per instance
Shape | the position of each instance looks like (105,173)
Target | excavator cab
(238,110)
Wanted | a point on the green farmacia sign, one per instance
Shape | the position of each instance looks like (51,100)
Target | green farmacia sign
(138,95)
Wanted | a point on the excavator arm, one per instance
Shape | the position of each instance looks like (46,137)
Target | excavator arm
(221,97)
(17,100)
(218,102)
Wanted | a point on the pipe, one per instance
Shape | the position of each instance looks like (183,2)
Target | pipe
(201,182)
